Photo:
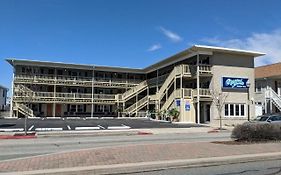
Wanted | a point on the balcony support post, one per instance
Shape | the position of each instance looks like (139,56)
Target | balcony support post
(55,89)
(92,95)
(11,103)
(198,89)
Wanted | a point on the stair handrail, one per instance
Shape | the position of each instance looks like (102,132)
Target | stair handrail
(270,93)
(128,93)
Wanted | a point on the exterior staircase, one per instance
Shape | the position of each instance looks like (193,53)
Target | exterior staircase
(138,105)
(26,111)
(133,91)
(272,95)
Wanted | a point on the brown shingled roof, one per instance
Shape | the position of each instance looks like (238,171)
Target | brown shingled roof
(271,70)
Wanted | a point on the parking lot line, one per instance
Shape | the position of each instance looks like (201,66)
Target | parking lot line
(69,128)
(125,126)
(118,127)
(48,129)
(11,129)
(31,128)
(101,127)
(87,128)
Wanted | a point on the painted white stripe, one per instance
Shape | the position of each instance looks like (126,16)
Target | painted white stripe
(68,127)
(87,128)
(118,127)
(30,128)
(19,118)
(11,129)
(75,118)
(126,126)
(101,127)
(48,129)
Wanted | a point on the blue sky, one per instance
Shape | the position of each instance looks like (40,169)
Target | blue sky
(133,33)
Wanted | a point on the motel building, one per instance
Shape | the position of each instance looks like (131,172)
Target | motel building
(186,81)
(268,89)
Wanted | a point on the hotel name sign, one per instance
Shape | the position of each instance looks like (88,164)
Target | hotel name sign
(235,83)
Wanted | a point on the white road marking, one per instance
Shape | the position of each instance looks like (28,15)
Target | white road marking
(19,118)
(11,129)
(48,129)
(87,128)
(68,127)
(30,128)
(101,127)
(118,127)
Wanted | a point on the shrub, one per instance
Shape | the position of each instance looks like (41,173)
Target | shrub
(257,132)
(174,113)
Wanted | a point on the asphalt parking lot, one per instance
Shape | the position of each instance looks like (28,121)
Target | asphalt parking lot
(86,124)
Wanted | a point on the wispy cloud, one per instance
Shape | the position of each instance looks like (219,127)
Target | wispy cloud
(174,37)
(269,43)
(154,47)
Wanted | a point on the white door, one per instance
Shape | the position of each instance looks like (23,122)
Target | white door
(258,110)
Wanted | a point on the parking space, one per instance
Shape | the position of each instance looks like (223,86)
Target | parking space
(7,125)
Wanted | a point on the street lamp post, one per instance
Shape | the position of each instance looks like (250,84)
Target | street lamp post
(248,84)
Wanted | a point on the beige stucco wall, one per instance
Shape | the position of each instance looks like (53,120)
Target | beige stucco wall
(225,65)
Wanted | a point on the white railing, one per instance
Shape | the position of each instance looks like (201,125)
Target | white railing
(271,94)
(63,95)
(202,92)
(134,90)
(24,109)
(137,105)
(64,78)
(205,68)
(187,93)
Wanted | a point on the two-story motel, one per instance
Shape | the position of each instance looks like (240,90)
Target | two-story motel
(268,89)
(183,81)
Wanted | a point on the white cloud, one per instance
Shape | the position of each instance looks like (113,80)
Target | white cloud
(269,43)
(154,47)
(171,35)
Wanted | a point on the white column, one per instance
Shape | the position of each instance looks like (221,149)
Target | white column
(11,102)
(198,88)
(55,91)
(92,107)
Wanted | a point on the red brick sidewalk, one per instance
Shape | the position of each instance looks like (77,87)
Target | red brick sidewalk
(133,154)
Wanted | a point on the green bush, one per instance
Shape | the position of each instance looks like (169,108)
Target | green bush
(257,132)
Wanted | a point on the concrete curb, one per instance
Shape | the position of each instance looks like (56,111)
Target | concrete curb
(157,165)
(93,133)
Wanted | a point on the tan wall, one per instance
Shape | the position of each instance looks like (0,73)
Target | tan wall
(225,65)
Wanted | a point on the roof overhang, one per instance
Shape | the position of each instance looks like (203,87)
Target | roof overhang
(185,54)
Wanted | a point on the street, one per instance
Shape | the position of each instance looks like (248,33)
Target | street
(11,149)
(270,167)
(43,124)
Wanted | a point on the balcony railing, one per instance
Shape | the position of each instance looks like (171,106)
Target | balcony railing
(73,79)
(202,92)
(31,95)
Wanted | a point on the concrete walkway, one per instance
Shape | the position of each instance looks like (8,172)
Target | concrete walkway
(104,160)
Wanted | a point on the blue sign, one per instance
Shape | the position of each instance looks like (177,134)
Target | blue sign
(235,83)
(187,106)
(178,102)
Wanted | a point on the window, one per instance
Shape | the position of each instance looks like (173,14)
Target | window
(234,110)
(231,106)
(242,110)
(226,113)
(237,110)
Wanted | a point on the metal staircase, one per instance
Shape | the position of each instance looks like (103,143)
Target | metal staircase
(177,71)
(133,91)
(23,109)
(178,93)
(138,105)
(272,95)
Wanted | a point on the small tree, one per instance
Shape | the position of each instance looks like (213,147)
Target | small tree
(219,101)
(174,113)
